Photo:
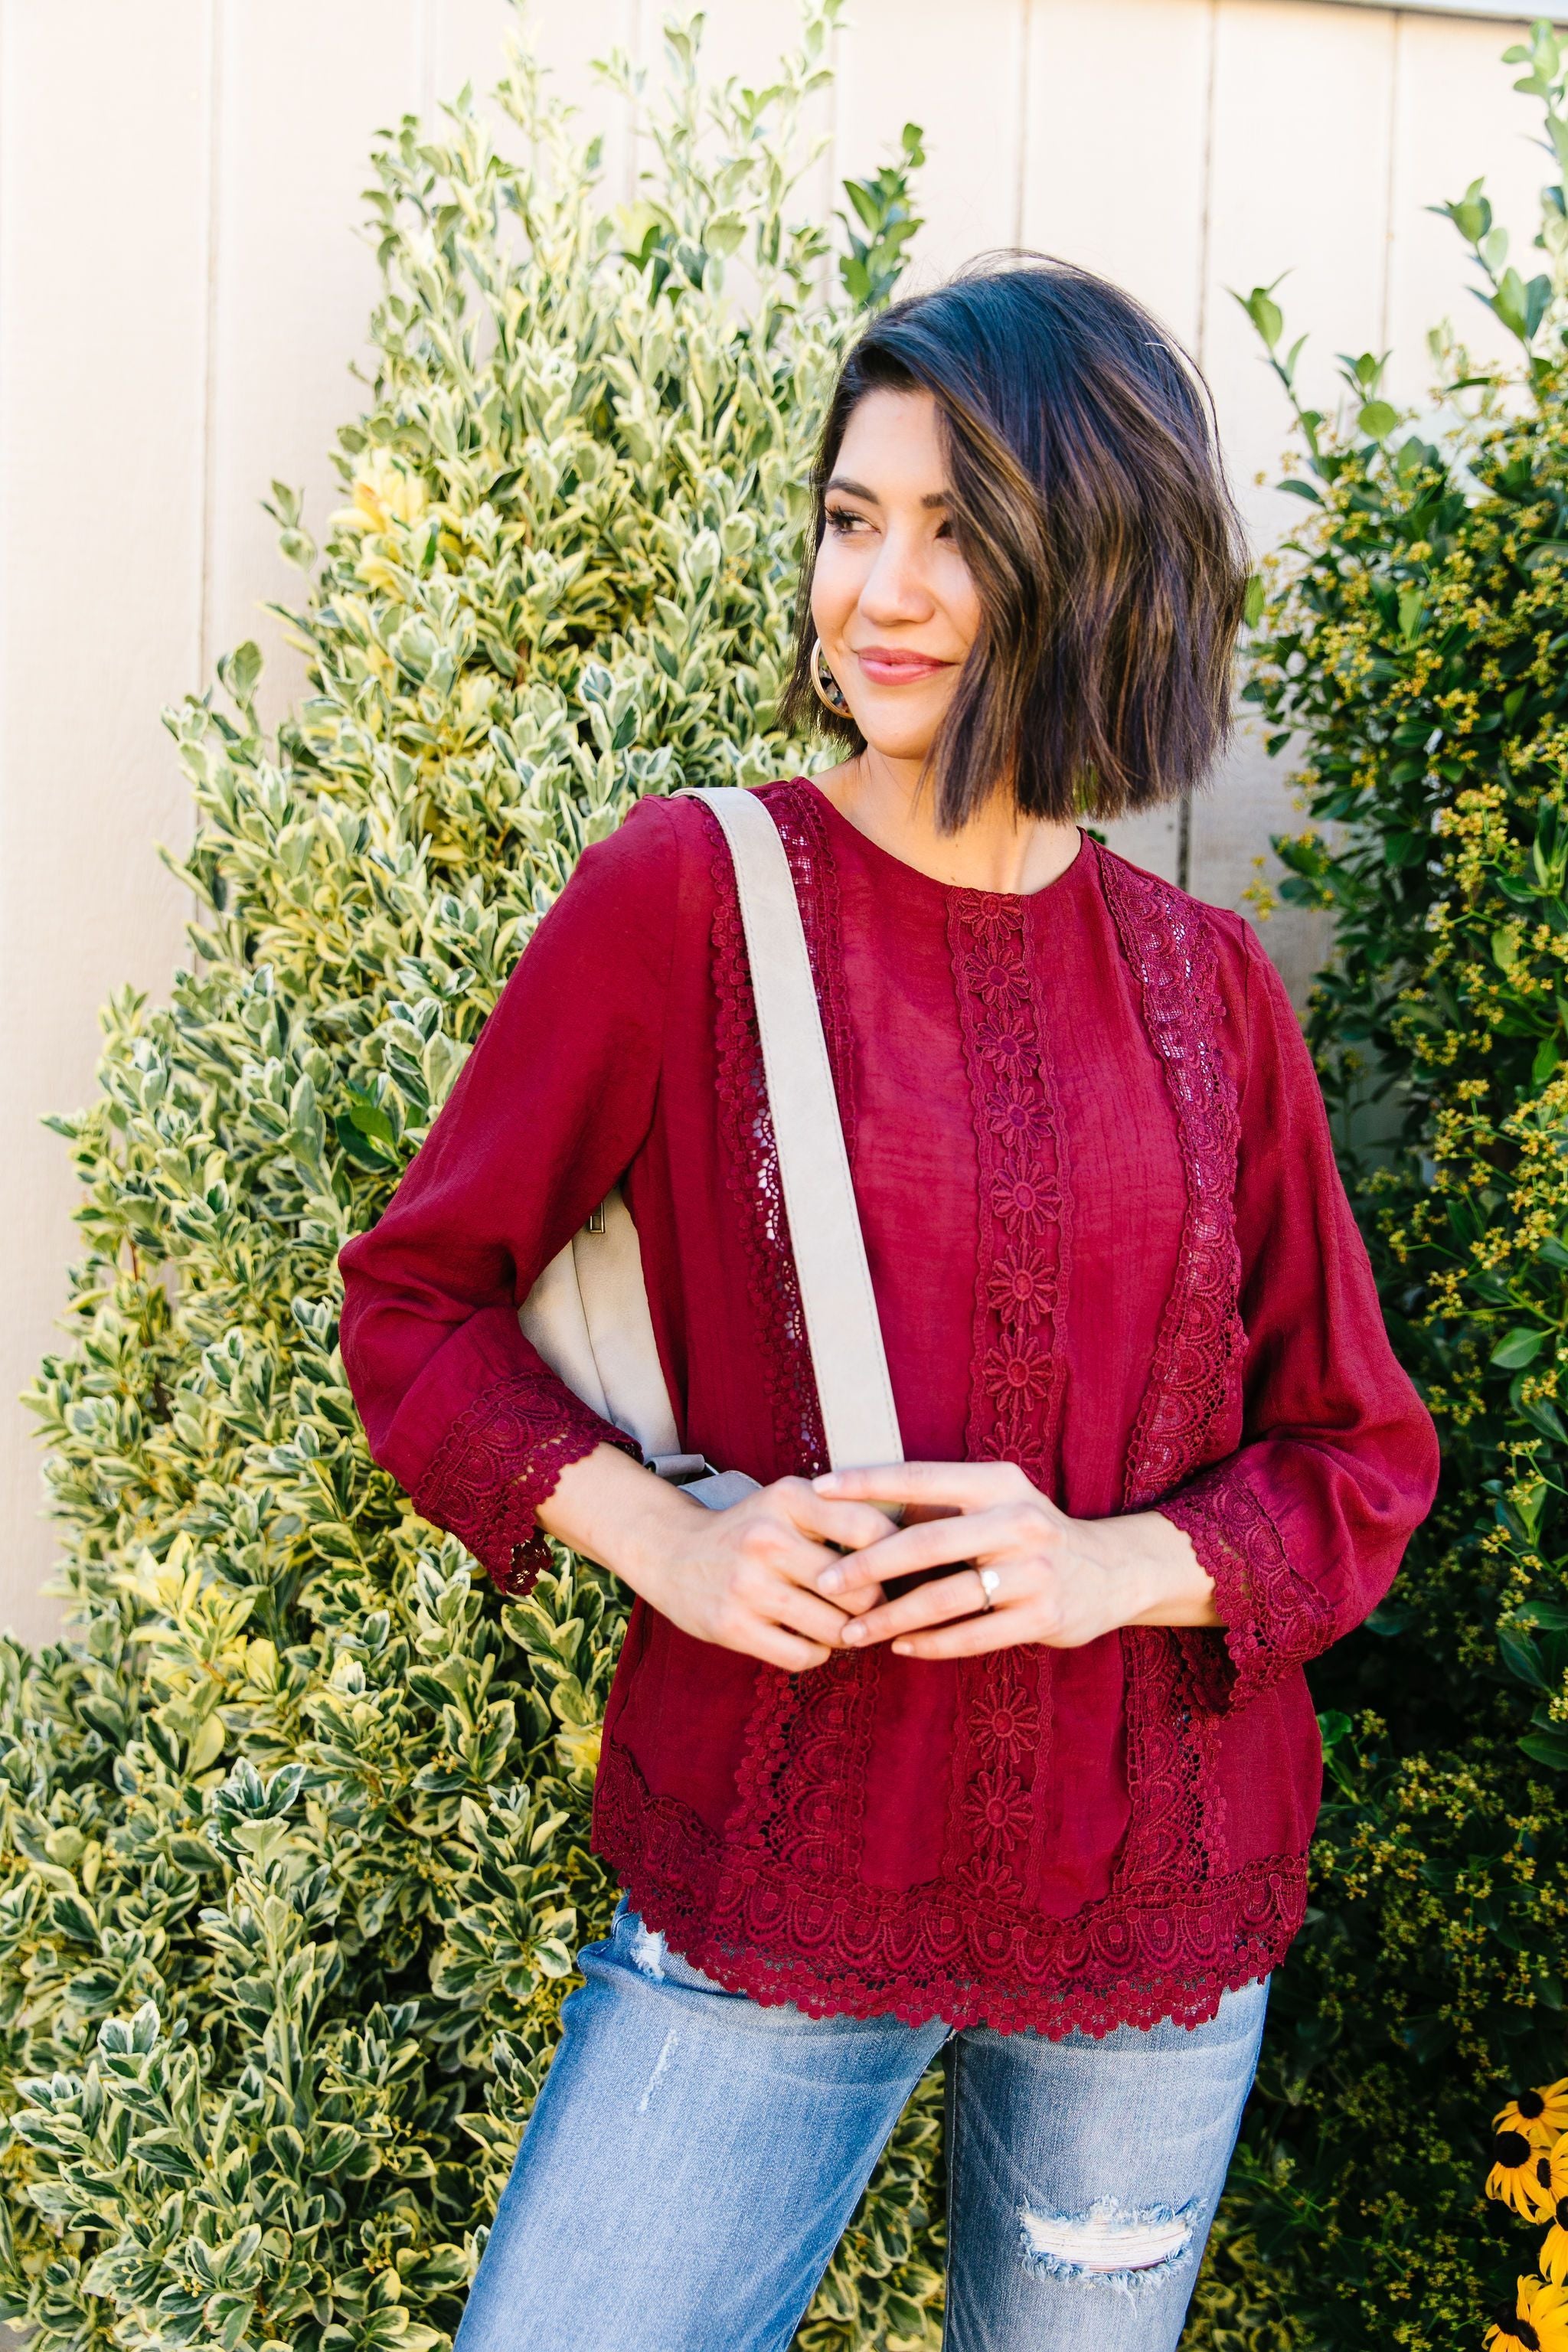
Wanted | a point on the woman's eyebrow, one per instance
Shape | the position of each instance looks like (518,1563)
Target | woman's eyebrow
(858,490)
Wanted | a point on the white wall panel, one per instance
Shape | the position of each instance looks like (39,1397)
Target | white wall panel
(1299,177)
(103,210)
(1298,182)
(301,91)
(1115,171)
(1115,177)
(960,75)
(1456,117)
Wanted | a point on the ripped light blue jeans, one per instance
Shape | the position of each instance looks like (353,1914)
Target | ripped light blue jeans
(694,2159)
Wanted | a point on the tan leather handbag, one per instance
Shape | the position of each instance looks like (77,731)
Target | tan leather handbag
(587,1314)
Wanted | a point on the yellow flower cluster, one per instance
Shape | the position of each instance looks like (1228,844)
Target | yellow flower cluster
(1530,2174)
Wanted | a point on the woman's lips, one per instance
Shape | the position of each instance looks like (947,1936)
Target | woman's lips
(885,667)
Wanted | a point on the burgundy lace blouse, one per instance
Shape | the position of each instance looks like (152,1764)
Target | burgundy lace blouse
(1108,1240)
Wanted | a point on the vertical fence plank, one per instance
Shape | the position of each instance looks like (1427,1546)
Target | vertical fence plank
(304,90)
(1298,183)
(1300,149)
(1114,167)
(1113,178)
(1456,117)
(103,136)
(959,76)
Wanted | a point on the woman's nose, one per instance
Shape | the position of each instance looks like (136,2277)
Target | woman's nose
(895,589)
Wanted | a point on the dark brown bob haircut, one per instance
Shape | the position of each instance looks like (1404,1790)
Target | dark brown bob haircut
(1090,504)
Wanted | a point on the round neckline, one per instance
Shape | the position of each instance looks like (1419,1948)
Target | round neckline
(1075,865)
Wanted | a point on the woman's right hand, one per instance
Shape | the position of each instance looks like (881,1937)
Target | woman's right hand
(745,1579)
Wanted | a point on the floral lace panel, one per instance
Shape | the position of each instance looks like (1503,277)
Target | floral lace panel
(1273,1619)
(1016,1394)
(1175,1830)
(499,1460)
(937,1949)
(1017,1359)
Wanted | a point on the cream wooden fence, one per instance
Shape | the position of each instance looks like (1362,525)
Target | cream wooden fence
(181,294)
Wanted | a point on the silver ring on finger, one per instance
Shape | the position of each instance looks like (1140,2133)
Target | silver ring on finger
(990,1578)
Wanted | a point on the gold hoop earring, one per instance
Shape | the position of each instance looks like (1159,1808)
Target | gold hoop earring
(829,693)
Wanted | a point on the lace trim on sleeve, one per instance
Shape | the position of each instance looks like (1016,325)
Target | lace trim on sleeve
(1273,1620)
(499,1460)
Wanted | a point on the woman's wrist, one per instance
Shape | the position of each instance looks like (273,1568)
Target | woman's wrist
(614,1511)
(1165,1581)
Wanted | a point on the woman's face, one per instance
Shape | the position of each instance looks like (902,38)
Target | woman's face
(891,596)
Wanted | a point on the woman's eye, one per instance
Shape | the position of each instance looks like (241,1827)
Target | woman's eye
(841,520)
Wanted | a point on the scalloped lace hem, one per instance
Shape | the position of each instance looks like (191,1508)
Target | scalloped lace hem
(851,1950)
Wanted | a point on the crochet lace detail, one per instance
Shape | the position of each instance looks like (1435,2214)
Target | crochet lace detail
(1171,1731)
(1169,945)
(937,1951)
(1003,1715)
(1017,1386)
(1274,1619)
(499,1460)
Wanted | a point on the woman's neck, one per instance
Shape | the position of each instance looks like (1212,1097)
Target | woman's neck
(997,850)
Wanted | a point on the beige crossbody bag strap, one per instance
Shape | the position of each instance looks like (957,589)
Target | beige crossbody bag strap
(587,1314)
(858,1417)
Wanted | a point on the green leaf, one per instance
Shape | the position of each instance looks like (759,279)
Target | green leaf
(1521,1657)
(1377,419)
(1389,1618)
(1549,1747)
(1542,1415)
(1520,1347)
(1264,312)
(361,1148)
(1550,1616)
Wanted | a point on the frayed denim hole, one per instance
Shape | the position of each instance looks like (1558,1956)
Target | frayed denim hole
(647,1952)
(1125,2249)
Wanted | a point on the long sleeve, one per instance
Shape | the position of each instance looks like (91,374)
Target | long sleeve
(1303,1528)
(545,1117)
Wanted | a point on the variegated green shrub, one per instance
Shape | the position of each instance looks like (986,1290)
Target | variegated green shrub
(293,1842)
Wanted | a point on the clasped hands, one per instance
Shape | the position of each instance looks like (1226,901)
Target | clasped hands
(802,1568)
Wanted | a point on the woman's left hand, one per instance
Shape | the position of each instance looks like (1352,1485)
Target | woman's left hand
(1047,1578)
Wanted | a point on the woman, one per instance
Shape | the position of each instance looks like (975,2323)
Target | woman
(1028,1778)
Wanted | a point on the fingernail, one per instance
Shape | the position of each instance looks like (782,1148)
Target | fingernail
(902,1650)
(825,1481)
(830,1581)
(853,1632)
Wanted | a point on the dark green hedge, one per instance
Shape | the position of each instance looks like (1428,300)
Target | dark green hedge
(1411,653)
